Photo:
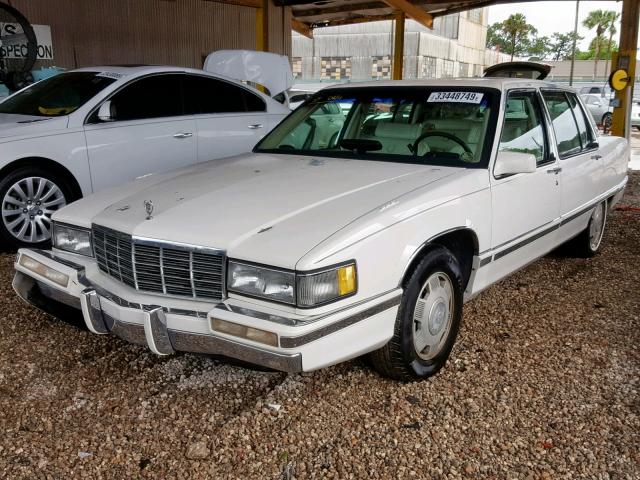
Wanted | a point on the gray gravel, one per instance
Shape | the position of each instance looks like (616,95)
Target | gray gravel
(543,384)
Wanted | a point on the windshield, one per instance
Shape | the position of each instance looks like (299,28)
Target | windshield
(56,96)
(434,125)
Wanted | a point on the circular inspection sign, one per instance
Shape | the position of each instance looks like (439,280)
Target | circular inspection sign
(619,79)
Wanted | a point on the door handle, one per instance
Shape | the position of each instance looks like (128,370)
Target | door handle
(555,170)
(596,157)
(183,135)
(255,126)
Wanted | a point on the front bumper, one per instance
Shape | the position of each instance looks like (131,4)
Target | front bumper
(303,344)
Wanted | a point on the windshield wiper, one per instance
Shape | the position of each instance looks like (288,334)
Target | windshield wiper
(360,145)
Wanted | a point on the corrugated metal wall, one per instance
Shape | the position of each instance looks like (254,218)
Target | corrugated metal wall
(173,32)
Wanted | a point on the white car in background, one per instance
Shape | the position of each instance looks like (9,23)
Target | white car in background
(635,115)
(361,223)
(599,109)
(92,128)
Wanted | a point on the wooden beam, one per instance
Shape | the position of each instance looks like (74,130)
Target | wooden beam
(347,8)
(262,27)
(302,28)
(353,20)
(398,47)
(626,59)
(242,3)
(412,11)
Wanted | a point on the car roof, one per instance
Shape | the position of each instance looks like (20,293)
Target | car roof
(487,82)
(127,70)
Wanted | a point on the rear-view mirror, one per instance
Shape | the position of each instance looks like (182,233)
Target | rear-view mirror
(511,163)
(104,113)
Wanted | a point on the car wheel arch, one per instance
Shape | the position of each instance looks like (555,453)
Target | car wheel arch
(46,163)
(462,242)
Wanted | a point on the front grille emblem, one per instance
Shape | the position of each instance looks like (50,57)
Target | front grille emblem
(148,206)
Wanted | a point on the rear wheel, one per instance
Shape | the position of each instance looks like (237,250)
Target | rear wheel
(29,197)
(606,122)
(427,322)
(587,243)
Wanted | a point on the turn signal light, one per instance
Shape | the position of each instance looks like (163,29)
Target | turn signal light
(242,331)
(41,269)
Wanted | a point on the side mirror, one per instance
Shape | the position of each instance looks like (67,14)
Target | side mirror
(511,163)
(592,145)
(105,113)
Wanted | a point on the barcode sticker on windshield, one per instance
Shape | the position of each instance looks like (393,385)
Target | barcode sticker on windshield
(115,75)
(456,97)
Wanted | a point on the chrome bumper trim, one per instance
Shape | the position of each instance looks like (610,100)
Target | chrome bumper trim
(154,334)
(91,311)
(291,363)
(292,342)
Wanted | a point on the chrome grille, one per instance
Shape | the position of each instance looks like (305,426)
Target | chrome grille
(159,268)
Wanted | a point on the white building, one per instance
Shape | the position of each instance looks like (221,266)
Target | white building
(454,48)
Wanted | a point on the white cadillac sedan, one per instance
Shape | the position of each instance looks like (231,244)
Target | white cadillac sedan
(360,224)
(92,128)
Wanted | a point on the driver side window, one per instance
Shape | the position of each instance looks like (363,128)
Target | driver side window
(523,127)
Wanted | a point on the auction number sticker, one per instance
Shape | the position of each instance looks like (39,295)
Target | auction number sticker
(456,97)
(114,75)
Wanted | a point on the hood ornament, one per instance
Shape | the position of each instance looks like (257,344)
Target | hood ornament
(148,207)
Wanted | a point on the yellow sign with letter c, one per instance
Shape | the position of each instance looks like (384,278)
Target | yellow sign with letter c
(619,79)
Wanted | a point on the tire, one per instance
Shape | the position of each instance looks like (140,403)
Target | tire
(606,122)
(587,243)
(436,282)
(23,194)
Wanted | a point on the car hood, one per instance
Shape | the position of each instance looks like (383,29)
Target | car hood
(260,207)
(12,125)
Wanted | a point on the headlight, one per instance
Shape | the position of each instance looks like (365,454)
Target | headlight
(263,282)
(300,289)
(72,239)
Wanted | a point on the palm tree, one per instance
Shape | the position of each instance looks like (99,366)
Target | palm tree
(517,30)
(612,31)
(601,21)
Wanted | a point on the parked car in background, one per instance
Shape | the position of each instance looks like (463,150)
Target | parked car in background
(88,129)
(635,115)
(596,89)
(599,109)
(328,243)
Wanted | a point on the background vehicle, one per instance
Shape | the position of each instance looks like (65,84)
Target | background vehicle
(635,115)
(599,109)
(84,130)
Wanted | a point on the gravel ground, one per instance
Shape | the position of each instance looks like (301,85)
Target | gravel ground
(543,384)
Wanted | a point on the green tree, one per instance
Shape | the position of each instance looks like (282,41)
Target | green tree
(513,36)
(600,20)
(561,45)
(538,48)
(606,49)
(612,31)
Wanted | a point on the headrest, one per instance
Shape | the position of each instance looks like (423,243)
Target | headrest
(404,131)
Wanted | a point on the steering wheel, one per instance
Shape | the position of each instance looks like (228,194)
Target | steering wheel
(440,133)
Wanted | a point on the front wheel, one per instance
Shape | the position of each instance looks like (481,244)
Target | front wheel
(427,322)
(29,197)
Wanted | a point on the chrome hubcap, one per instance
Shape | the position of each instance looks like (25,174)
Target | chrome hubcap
(596,226)
(432,316)
(27,208)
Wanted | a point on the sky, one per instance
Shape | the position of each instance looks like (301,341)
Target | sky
(551,17)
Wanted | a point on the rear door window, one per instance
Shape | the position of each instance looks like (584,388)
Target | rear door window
(151,97)
(586,135)
(564,123)
(205,95)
